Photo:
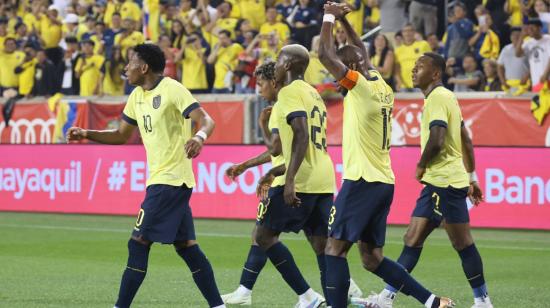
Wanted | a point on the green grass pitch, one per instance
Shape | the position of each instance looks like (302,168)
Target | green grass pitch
(76,261)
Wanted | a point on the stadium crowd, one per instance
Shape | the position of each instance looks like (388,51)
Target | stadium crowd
(80,47)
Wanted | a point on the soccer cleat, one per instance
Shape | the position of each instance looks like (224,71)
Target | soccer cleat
(482,302)
(383,299)
(237,298)
(358,302)
(445,302)
(354,290)
(317,301)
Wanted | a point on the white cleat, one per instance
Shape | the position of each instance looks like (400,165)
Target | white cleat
(358,302)
(317,301)
(482,302)
(354,290)
(237,298)
(383,299)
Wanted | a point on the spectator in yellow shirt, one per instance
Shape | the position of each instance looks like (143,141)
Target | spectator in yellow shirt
(131,10)
(224,57)
(405,56)
(253,10)
(26,71)
(128,38)
(264,54)
(88,69)
(223,21)
(10,58)
(193,64)
(3,32)
(272,25)
(50,28)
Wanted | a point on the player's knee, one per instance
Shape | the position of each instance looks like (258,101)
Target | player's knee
(140,240)
(264,240)
(370,263)
(412,239)
(461,243)
(335,248)
(318,243)
(184,244)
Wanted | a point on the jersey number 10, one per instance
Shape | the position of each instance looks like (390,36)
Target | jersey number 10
(147,125)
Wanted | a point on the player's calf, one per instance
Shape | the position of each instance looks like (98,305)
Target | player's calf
(134,274)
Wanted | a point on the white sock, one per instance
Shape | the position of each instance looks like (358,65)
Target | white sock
(430,301)
(220,306)
(482,300)
(387,294)
(243,290)
(308,296)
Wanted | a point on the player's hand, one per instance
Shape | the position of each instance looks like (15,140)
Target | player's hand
(475,194)
(263,186)
(345,7)
(234,171)
(193,147)
(334,9)
(290,195)
(420,173)
(265,115)
(76,134)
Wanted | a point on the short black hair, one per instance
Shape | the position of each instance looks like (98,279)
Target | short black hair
(88,41)
(152,55)
(71,39)
(265,71)
(437,61)
(226,32)
(117,14)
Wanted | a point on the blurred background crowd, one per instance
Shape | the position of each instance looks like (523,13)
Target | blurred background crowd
(80,47)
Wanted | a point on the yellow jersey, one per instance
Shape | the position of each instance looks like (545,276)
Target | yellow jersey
(367,128)
(276,160)
(26,77)
(90,74)
(406,56)
(316,73)
(226,61)
(446,169)
(112,82)
(194,69)
(131,40)
(162,116)
(228,24)
(8,78)
(254,11)
(357,17)
(2,40)
(130,9)
(282,30)
(32,22)
(299,99)
(50,32)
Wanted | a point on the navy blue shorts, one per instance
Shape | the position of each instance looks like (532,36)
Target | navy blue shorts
(360,212)
(311,216)
(165,216)
(437,203)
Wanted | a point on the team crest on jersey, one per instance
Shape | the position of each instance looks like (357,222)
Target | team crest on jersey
(156,102)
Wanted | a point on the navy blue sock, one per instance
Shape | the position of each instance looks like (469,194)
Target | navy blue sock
(283,261)
(253,266)
(136,268)
(337,281)
(321,262)
(202,273)
(473,268)
(394,274)
(408,259)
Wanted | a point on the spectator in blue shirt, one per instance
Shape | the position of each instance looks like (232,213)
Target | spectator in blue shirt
(458,34)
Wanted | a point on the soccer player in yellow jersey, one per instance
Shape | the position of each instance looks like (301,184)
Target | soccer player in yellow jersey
(303,202)
(362,206)
(163,110)
(447,158)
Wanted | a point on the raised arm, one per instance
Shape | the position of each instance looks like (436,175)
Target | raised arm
(352,36)
(111,136)
(327,50)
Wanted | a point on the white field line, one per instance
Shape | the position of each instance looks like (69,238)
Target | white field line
(244,236)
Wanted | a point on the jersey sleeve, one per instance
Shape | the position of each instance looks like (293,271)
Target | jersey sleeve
(290,105)
(273,124)
(129,112)
(436,112)
(185,102)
